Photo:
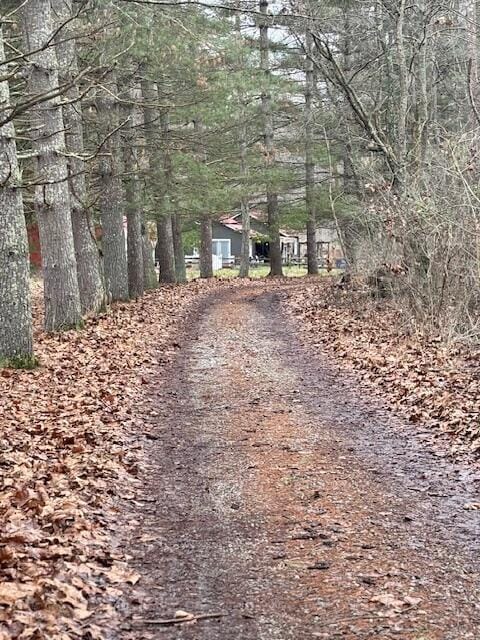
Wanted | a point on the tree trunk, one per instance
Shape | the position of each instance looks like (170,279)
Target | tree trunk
(161,174)
(423,120)
(245,256)
(89,275)
(112,197)
(243,135)
(164,226)
(180,268)
(134,197)
(401,171)
(15,310)
(472,29)
(134,243)
(52,198)
(206,265)
(149,273)
(272,196)
(312,258)
(165,250)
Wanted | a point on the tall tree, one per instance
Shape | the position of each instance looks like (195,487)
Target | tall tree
(87,255)
(243,144)
(52,197)
(134,194)
(15,310)
(269,146)
(310,199)
(180,266)
(149,272)
(206,264)
(112,194)
(157,133)
(166,249)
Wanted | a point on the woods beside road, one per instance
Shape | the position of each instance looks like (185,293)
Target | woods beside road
(83,433)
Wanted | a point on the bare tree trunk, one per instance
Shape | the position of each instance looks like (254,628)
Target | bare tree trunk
(150,280)
(272,196)
(134,196)
(423,121)
(52,199)
(89,275)
(206,264)
(245,209)
(112,197)
(15,310)
(180,268)
(472,29)
(161,173)
(134,242)
(149,273)
(401,172)
(243,134)
(165,250)
(312,258)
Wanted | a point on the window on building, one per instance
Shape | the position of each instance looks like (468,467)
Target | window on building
(221,248)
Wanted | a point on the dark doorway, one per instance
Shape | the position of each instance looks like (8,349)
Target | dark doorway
(262,250)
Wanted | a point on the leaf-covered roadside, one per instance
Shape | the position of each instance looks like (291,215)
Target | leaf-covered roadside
(68,454)
(429,382)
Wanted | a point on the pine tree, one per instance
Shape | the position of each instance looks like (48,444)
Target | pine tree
(87,255)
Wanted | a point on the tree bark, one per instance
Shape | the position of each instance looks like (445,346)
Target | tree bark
(87,254)
(312,258)
(112,196)
(180,267)
(161,173)
(149,273)
(401,172)
(423,120)
(206,264)
(164,226)
(52,198)
(134,197)
(165,250)
(15,308)
(472,29)
(272,196)
(243,135)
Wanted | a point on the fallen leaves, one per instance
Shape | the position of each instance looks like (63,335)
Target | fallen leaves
(394,605)
(431,383)
(121,574)
(472,506)
(69,453)
(11,592)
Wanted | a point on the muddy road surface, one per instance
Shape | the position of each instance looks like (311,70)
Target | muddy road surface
(280,498)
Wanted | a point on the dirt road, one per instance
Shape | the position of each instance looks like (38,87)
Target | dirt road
(277,496)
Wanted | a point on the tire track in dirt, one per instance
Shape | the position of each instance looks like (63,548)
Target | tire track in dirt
(277,495)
